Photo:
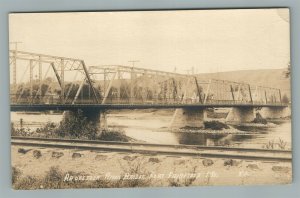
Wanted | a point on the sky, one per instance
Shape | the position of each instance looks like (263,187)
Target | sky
(206,40)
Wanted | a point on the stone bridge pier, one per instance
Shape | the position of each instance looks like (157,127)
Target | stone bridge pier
(275,112)
(241,114)
(96,117)
(188,117)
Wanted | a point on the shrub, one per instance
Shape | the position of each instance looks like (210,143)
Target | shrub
(16,173)
(53,178)
(272,144)
(215,125)
(27,183)
(75,125)
(177,182)
(259,119)
(19,131)
(114,135)
(12,129)
(48,128)
(135,167)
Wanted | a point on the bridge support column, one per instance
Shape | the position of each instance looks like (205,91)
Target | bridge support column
(275,112)
(96,117)
(241,114)
(187,117)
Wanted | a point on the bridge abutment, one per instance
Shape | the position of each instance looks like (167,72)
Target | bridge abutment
(188,117)
(275,112)
(241,114)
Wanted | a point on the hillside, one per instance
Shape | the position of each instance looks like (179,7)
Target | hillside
(270,78)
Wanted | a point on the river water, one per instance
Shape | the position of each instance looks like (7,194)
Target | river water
(152,127)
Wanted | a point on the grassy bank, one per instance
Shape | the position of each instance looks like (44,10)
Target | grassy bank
(55,178)
(73,126)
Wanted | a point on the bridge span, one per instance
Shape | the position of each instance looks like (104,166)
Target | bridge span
(45,82)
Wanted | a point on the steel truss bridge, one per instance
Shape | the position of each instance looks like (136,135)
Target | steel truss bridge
(46,82)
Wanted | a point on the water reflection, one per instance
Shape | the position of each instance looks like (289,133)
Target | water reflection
(207,139)
(262,129)
(251,138)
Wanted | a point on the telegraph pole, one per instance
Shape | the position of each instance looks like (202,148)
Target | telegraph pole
(133,62)
(15,63)
(132,76)
(16,44)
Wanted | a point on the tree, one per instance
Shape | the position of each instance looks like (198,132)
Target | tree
(288,72)
(285,99)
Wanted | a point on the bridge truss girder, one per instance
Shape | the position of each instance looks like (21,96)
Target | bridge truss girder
(60,66)
(118,84)
(125,84)
(240,92)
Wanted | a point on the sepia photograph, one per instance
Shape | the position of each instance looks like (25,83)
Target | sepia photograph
(165,98)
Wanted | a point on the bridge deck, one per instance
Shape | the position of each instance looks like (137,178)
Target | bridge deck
(63,107)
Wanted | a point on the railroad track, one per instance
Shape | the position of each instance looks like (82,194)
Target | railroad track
(163,149)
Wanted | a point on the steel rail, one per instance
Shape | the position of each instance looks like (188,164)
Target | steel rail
(149,144)
(186,150)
